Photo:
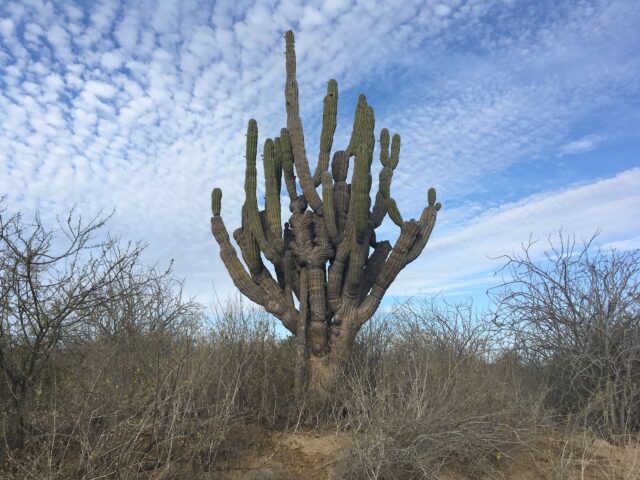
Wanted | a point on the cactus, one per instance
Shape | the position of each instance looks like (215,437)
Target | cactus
(331,272)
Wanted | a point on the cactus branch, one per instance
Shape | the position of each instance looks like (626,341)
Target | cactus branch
(294,124)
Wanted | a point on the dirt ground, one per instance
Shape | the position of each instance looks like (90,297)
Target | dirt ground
(314,456)
(289,456)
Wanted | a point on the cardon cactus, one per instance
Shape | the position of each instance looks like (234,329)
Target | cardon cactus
(331,271)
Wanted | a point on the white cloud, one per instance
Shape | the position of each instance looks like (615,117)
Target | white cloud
(582,145)
(608,205)
(143,105)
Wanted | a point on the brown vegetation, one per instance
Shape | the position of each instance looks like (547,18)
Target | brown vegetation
(137,382)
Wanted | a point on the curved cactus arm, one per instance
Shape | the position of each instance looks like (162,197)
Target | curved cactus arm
(328,210)
(372,268)
(274,298)
(275,302)
(392,209)
(329,123)
(294,125)
(392,267)
(251,201)
(389,163)
(239,275)
(250,250)
(427,222)
(261,289)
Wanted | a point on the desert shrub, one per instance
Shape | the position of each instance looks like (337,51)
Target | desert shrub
(574,315)
(434,399)
(156,402)
(246,346)
(108,371)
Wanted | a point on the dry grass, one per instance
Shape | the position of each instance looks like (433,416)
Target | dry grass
(433,397)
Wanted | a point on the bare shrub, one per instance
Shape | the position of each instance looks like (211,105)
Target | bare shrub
(51,281)
(434,400)
(110,373)
(156,403)
(575,315)
(244,341)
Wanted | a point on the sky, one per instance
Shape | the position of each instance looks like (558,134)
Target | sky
(523,115)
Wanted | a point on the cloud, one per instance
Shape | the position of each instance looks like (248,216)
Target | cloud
(142,106)
(473,249)
(582,145)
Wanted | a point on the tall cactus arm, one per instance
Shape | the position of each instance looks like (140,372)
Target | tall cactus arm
(360,193)
(251,201)
(392,267)
(294,125)
(427,222)
(359,200)
(287,163)
(329,123)
(395,152)
(239,275)
(272,175)
(339,170)
(328,210)
(359,121)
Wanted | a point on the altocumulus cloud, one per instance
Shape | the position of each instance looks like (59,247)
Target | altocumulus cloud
(142,106)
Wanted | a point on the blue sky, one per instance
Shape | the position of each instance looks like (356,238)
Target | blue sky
(523,114)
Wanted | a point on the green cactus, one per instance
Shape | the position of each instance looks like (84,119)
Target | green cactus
(272,175)
(329,122)
(324,255)
(359,124)
(384,148)
(287,163)
(360,192)
(216,201)
(395,151)
(394,213)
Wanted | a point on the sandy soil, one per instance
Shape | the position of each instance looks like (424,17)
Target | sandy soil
(313,456)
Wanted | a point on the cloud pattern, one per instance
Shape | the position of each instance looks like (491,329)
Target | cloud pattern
(142,106)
